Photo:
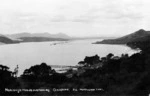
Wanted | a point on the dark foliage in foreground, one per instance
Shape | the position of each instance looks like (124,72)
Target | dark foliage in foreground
(7,80)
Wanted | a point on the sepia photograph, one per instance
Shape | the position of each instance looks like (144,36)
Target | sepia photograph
(74,48)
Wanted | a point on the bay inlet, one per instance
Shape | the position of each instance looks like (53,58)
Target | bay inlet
(56,53)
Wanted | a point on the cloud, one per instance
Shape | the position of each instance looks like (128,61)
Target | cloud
(59,18)
(85,11)
(113,10)
(73,15)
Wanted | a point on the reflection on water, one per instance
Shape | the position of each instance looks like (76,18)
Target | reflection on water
(55,53)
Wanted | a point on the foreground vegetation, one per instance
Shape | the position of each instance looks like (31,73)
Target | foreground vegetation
(111,75)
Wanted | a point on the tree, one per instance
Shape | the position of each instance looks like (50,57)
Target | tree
(6,79)
(109,56)
(91,60)
(15,73)
(39,70)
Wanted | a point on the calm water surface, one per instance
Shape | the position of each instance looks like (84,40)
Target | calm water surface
(55,53)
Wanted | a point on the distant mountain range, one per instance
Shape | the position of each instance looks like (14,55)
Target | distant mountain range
(136,36)
(46,34)
(40,37)
(36,37)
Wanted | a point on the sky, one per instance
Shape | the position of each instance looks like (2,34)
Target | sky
(74,17)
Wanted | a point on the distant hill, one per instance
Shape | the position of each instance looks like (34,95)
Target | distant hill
(6,40)
(136,36)
(46,34)
(40,39)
